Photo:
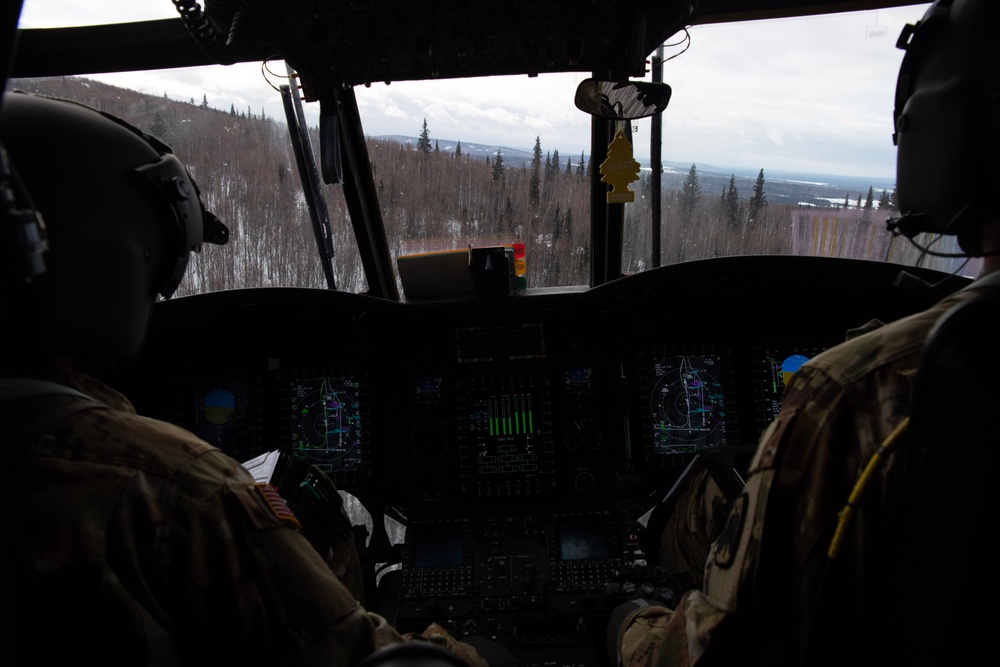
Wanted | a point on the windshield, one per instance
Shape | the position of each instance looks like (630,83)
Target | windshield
(776,140)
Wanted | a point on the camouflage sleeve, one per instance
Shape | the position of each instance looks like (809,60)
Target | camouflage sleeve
(436,634)
(262,582)
(235,580)
(766,569)
(658,636)
(707,621)
(695,521)
(641,636)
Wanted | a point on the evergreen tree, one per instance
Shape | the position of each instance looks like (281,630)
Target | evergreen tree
(732,203)
(859,201)
(534,183)
(758,201)
(204,101)
(555,163)
(437,148)
(424,141)
(159,126)
(883,201)
(232,109)
(869,203)
(847,200)
(689,195)
(569,165)
(497,173)
(579,166)
(458,149)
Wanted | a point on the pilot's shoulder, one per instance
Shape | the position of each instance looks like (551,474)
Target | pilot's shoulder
(123,438)
(893,345)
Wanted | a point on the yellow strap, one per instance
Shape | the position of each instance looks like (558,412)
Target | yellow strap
(862,485)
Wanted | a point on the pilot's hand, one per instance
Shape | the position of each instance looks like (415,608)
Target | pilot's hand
(621,617)
(436,634)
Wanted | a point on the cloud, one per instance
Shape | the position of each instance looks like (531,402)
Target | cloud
(813,92)
(504,111)
(65,13)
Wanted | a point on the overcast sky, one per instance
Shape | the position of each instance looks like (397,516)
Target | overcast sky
(804,95)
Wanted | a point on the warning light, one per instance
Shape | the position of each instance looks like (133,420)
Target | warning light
(520,266)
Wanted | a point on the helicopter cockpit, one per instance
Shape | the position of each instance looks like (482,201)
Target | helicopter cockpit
(506,361)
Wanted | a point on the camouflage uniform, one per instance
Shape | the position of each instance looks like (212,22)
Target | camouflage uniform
(695,520)
(145,545)
(763,572)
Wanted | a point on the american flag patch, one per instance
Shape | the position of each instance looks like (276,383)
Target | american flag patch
(277,504)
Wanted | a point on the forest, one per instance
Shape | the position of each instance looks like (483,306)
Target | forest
(431,200)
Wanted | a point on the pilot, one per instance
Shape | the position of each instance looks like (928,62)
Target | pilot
(128,540)
(765,571)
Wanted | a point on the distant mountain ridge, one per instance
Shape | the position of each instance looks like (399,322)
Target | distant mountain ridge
(780,187)
(515,157)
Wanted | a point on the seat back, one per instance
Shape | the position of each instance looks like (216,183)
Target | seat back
(938,571)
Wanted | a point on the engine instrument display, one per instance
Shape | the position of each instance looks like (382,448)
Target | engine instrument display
(508,440)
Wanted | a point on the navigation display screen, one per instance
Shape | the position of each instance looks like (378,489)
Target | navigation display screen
(327,421)
(687,402)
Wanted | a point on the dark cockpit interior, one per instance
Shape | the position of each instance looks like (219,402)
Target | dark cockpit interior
(520,440)
(508,449)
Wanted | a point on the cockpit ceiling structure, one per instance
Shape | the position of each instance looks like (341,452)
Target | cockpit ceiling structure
(360,42)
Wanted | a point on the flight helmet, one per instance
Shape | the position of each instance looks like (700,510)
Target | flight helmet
(947,122)
(120,215)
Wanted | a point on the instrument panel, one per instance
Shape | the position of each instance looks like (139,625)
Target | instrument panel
(543,395)
(534,582)
(522,437)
